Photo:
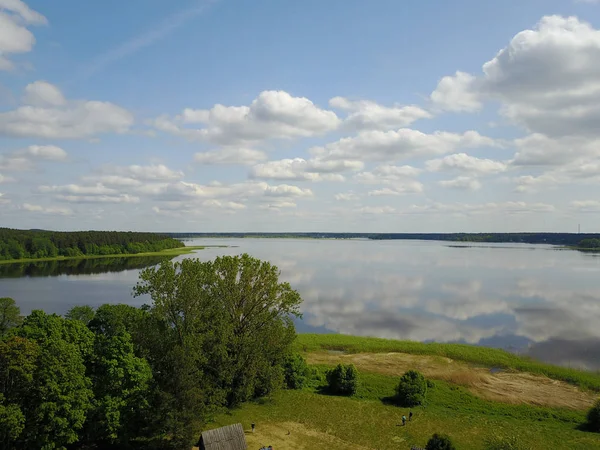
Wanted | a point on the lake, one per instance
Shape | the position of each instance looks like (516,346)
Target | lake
(531,299)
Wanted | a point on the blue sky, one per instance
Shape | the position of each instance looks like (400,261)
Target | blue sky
(345,115)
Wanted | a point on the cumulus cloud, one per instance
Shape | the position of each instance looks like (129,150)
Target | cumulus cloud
(586,206)
(540,150)
(466,183)
(15,37)
(376,210)
(399,188)
(301,169)
(368,115)
(27,158)
(387,174)
(154,172)
(346,196)
(546,79)
(51,210)
(272,115)
(230,156)
(46,114)
(404,143)
(461,162)
(73,193)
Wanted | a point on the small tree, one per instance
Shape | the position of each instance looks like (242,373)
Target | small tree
(10,314)
(412,389)
(593,417)
(295,371)
(343,380)
(440,442)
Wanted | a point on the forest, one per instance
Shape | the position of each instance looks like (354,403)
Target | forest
(32,244)
(124,377)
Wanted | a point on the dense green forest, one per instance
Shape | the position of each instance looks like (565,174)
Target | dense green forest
(25,244)
(570,239)
(217,334)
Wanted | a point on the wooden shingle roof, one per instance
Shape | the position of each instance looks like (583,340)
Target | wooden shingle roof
(231,437)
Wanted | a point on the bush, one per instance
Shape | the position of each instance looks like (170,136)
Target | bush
(503,443)
(343,380)
(440,442)
(593,417)
(412,389)
(295,372)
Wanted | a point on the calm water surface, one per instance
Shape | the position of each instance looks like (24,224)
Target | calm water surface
(530,299)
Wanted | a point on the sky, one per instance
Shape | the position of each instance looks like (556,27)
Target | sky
(270,115)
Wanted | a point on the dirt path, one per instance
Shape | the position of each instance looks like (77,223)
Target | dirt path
(505,387)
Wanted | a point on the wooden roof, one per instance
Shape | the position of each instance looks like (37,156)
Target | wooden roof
(231,437)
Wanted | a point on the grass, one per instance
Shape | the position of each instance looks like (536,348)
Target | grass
(369,421)
(169,252)
(488,357)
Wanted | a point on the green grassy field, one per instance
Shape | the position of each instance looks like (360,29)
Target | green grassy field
(309,418)
(368,421)
(168,252)
(487,357)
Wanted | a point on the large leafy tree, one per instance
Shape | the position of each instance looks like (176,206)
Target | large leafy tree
(120,379)
(10,314)
(227,326)
(83,313)
(59,394)
(18,358)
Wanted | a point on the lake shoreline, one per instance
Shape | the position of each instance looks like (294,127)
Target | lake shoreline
(169,252)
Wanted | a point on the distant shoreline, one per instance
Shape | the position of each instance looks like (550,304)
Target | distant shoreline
(169,252)
(570,240)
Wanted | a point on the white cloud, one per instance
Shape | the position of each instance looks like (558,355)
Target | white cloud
(47,210)
(49,118)
(272,115)
(368,115)
(112,180)
(230,156)
(77,190)
(120,198)
(45,152)
(539,150)
(154,172)
(302,169)
(42,93)
(399,188)
(396,145)
(387,174)
(286,190)
(547,80)
(586,206)
(462,162)
(456,93)
(4,179)
(346,196)
(482,208)
(466,183)
(15,16)
(27,158)
(376,210)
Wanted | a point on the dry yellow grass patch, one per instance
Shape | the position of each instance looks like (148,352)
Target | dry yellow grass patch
(507,387)
(300,437)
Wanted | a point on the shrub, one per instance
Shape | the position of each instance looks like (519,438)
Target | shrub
(295,372)
(343,380)
(430,384)
(439,442)
(503,443)
(593,417)
(412,389)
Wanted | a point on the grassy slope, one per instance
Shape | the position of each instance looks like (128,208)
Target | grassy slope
(488,357)
(168,252)
(368,421)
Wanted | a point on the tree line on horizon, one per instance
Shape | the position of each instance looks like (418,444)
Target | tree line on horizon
(32,244)
(216,334)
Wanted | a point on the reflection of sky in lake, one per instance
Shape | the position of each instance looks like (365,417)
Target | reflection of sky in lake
(526,298)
